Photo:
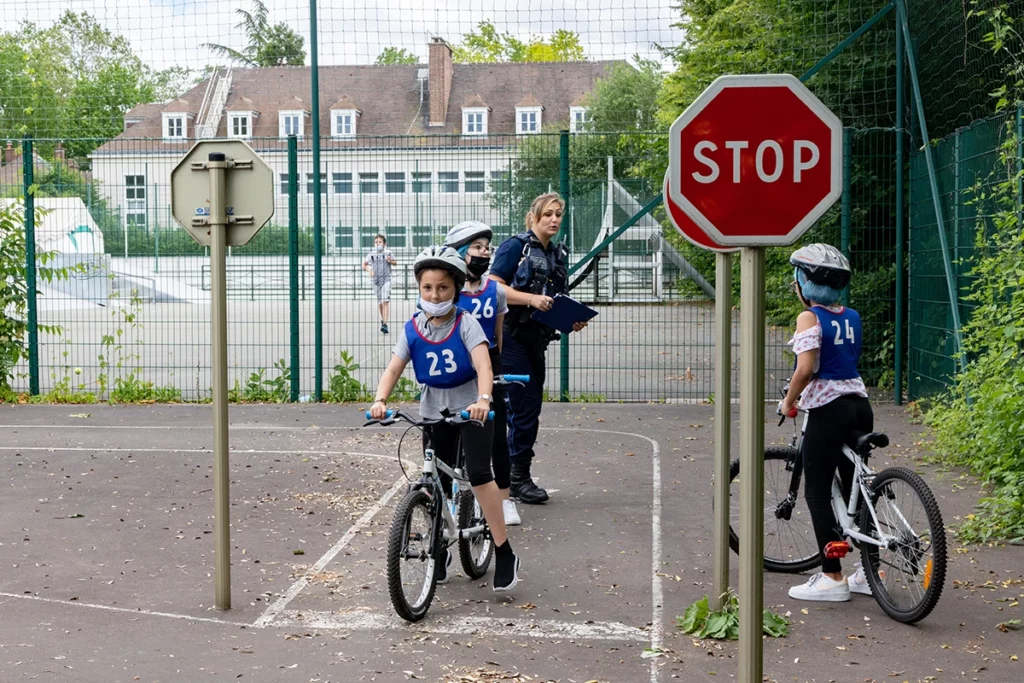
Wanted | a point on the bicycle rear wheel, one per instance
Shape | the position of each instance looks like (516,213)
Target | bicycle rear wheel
(475,553)
(906,576)
(789,543)
(412,555)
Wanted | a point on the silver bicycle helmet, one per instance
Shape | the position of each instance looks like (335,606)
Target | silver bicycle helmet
(465,232)
(823,264)
(446,259)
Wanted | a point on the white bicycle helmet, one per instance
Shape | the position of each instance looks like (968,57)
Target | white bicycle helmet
(823,264)
(444,258)
(465,232)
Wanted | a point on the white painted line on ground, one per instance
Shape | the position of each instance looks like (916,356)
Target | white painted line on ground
(485,626)
(657,595)
(105,449)
(300,585)
(127,610)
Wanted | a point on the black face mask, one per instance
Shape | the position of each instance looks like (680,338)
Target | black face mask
(477,266)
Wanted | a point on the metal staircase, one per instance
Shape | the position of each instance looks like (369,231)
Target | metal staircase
(212,107)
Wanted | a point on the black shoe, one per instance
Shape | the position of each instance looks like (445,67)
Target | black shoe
(506,571)
(443,575)
(384,328)
(528,492)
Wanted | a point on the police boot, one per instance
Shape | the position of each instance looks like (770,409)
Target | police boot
(523,487)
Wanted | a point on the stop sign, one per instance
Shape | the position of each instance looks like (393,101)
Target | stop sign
(685,225)
(755,160)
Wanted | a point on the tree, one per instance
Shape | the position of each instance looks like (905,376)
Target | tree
(396,55)
(487,45)
(268,45)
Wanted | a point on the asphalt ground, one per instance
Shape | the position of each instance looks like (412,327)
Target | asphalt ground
(107,558)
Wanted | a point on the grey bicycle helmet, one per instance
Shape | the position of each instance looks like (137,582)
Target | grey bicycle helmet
(465,232)
(823,264)
(446,259)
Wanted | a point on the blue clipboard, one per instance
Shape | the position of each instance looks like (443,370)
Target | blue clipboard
(564,314)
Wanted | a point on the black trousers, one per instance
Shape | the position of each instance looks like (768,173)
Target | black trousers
(477,444)
(828,428)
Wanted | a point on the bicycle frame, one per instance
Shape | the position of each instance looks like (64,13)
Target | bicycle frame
(431,477)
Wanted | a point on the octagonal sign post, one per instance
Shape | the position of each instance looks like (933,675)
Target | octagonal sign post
(754,161)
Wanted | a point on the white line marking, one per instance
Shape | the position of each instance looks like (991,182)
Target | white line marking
(488,626)
(657,596)
(150,613)
(105,449)
(301,584)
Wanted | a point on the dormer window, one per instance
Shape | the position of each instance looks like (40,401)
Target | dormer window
(240,124)
(175,125)
(291,123)
(528,120)
(474,120)
(343,123)
(578,119)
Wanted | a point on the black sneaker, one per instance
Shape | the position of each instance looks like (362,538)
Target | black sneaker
(528,492)
(506,572)
(384,328)
(443,575)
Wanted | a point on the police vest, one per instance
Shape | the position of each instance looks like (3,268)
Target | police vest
(840,343)
(442,364)
(483,305)
(540,272)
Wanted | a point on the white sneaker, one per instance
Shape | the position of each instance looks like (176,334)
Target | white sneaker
(821,588)
(511,514)
(858,581)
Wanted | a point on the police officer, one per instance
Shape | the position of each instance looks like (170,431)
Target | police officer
(533,270)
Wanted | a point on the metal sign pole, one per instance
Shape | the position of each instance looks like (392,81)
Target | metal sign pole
(723,421)
(751,588)
(217,168)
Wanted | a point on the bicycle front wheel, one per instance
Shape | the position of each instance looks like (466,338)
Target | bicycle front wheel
(907,574)
(789,543)
(475,553)
(412,555)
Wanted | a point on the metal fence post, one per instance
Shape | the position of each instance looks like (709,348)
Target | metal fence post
(1020,166)
(318,285)
(901,237)
(563,188)
(293,263)
(30,265)
(845,236)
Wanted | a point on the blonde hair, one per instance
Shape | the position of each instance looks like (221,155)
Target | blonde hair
(540,205)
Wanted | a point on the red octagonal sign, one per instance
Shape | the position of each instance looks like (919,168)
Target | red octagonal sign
(756,160)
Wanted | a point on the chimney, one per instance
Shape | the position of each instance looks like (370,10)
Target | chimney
(440,80)
(58,154)
(9,153)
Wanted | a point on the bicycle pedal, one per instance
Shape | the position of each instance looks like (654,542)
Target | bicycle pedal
(837,550)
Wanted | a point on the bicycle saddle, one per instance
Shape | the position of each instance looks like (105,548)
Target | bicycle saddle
(863,443)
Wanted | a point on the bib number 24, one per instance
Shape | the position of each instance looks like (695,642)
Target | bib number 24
(839,333)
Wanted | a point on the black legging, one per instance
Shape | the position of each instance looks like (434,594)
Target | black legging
(477,444)
(828,427)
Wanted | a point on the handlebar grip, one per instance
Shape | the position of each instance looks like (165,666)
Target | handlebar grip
(465,415)
(793,412)
(516,378)
(389,413)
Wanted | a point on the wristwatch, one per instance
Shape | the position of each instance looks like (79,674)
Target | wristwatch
(485,397)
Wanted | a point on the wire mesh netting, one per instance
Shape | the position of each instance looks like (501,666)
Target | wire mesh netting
(429,114)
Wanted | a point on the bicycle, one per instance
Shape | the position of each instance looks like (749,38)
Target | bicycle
(417,547)
(905,562)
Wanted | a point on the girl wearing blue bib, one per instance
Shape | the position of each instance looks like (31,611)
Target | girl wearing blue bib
(450,357)
(485,300)
(827,344)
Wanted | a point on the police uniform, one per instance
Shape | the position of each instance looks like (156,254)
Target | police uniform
(524,263)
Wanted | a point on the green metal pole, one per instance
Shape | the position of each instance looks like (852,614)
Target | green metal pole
(563,189)
(156,225)
(933,183)
(318,284)
(293,262)
(845,238)
(30,266)
(1020,166)
(901,236)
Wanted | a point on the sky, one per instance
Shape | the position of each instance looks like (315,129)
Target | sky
(171,32)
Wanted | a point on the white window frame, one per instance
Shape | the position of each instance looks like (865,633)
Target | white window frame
(282,115)
(336,131)
(338,178)
(476,179)
(574,124)
(182,119)
(135,201)
(445,180)
(520,127)
(467,112)
(246,118)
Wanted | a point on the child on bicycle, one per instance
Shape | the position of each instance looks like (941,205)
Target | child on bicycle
(485,300)
(449,353)
(827,344)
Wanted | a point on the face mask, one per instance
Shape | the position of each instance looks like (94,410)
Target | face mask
(477,266)
(435,310)
(380,248)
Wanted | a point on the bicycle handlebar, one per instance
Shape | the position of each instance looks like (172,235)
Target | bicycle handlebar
(391,414)
(511,378)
